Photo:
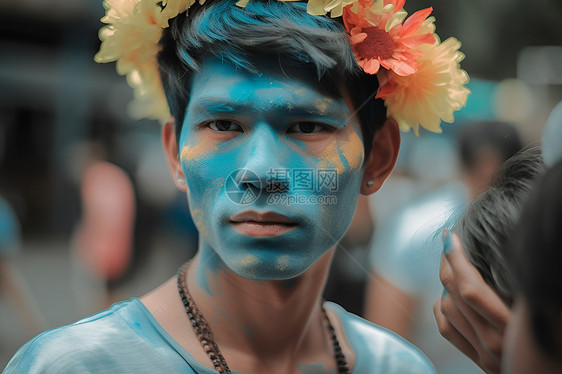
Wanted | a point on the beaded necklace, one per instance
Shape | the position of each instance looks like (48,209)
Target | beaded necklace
(205,335)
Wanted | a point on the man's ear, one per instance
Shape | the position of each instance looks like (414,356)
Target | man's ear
(171,151)
(381,161)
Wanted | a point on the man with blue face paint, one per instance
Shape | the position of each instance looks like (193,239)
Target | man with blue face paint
(272,129)
(269,122)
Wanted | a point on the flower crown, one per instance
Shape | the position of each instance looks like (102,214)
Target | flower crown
(420,77)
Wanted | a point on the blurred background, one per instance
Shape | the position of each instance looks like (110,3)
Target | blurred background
(63,120)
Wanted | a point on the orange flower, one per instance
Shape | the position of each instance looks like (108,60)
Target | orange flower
(380,35)
(430,95)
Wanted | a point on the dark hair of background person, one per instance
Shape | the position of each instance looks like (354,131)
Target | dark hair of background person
(537,261)
(499,137)
(489,222)
(281,32)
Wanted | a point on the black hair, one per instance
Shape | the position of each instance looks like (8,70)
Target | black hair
(489,222)
(537,260)
(499,137)
(283,31)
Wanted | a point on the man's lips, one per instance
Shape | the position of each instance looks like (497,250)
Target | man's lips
(252,223)
(265,217)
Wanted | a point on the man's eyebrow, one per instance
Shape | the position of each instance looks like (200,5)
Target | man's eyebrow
(214,104)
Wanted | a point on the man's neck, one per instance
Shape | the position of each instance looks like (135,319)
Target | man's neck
(266,318)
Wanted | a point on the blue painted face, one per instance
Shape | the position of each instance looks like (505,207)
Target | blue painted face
(285,131)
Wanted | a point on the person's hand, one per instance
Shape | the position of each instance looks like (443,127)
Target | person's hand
(469,314)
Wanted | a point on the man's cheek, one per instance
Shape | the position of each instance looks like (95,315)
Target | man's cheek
(204,201)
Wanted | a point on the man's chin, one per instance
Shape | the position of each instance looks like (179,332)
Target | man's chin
(263,266)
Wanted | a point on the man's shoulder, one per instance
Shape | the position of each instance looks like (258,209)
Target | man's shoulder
(103,325)
(85,346)
(381,349)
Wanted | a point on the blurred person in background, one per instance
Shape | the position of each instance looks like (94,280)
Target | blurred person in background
(483,146)
(406,249)
(484,313)
(102,243)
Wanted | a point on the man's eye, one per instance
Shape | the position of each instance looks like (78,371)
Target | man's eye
(224,125)
(306,128)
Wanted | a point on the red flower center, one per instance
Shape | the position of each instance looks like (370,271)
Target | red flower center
(377,44)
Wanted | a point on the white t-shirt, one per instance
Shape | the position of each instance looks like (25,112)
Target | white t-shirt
(127,339)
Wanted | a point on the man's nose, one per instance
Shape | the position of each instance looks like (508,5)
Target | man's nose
(266,157)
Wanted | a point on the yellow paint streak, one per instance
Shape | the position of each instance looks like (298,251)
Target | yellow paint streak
(330,157)
(249,260)
(321,105)
(197,151)
(338,150)
(283,262)
(198,219)
(352,150)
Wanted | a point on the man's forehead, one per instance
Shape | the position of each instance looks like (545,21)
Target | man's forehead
(270,75)
(221,86)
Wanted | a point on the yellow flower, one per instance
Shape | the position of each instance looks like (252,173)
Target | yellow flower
(321,7)
(131,38)
(150,100)
(431,94)
(318,7)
